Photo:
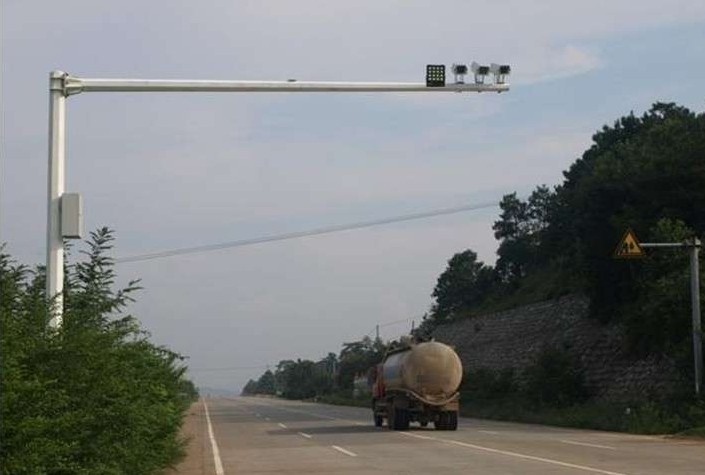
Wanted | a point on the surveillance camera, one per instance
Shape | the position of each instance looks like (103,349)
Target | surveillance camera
(459,71)
(479,69)
(500,72)
(480,72)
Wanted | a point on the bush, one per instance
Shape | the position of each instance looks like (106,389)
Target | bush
(95,396)
(555,380)
(485,384)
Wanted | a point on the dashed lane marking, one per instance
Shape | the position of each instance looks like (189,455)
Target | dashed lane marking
(531,457)
(492,432)
(282,426)
(214,445)
(342,450)
(585,444)
(409,434)
(514,454)
(303,434)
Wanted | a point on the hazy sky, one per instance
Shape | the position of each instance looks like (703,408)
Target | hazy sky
(175,170)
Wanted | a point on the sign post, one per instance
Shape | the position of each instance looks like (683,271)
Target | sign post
(629,247)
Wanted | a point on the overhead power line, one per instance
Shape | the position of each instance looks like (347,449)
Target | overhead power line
(300,234)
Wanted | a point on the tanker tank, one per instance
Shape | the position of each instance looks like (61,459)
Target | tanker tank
(431,370)
(418,383)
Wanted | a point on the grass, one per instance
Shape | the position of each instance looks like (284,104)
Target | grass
(697,432)
(644,418)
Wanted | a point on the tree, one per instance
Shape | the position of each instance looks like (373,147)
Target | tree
(465,283)
(520,230)
(358,357)
(636,172)
(265,384)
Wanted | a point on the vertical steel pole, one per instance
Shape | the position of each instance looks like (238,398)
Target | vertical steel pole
(55,188)
(697,329)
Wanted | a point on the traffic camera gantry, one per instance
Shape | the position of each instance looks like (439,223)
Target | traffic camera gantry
(65,210)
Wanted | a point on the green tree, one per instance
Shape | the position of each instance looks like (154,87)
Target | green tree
(465,283)
(520,230)
(265,384)
(636,172)
(661,322)
(358,357)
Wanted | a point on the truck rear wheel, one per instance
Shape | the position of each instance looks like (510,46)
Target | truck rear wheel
(401,419)
(447,421)
(452,421)
(439,423)
(378,420)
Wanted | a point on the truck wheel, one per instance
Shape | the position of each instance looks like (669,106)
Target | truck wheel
(439,423)
(424,423)
(447,421)
(401,419)
(452,421)
(378,420)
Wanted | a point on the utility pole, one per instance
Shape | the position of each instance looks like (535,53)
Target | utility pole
(62,85)
(376,332)
(694,249)
(55,189)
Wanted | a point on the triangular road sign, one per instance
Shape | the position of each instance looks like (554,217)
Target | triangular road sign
(629,247)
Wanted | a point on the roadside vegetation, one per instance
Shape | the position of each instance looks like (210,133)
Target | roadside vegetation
(643,172)
(95,396)
(330,379)
(552,391)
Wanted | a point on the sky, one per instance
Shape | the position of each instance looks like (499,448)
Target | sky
(173,170)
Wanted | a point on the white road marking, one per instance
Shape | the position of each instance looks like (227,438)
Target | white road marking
(489,432)
(409,434)
(282,426)
(359,423)
(597,446)
(531,457)
(513,454)
(303,434)
(214,445)
(342,450)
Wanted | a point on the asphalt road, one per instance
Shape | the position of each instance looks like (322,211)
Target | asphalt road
(258,435)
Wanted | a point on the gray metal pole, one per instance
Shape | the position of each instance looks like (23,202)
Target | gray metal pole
(76,85)
(697,329)
(55,188)
(63,85)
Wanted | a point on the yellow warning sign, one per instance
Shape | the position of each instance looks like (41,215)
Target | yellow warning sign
(629,247)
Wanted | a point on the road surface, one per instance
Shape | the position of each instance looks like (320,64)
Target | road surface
(269,436)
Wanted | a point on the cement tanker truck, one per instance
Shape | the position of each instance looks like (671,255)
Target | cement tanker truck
(418,382)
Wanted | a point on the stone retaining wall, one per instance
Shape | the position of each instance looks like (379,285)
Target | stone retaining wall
(513,339)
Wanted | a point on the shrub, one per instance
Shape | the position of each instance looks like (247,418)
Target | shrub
(555,380)
(95,396)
